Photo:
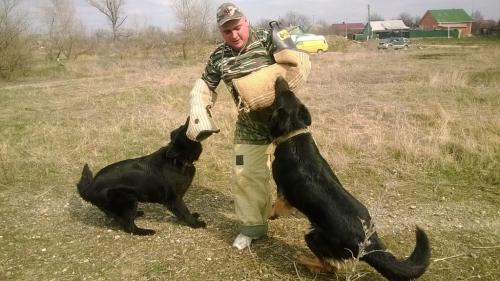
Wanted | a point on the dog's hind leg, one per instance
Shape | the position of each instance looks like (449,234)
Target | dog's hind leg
(281,207)
(123,206)
(320,245)
(315,264)
(180,210)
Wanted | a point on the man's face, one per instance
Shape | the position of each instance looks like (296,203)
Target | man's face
(235,33)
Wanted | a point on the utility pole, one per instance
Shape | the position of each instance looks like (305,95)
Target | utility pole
(369,25)
(345,23)
(368,12)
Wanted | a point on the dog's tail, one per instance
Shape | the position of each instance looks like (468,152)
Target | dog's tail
(395,270)
(85,182)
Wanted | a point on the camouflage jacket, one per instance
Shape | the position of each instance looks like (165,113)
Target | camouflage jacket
(226,64)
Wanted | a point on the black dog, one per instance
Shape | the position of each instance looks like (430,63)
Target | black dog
(161,177)
(340,225)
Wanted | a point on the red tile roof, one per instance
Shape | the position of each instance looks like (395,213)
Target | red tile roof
(349,25)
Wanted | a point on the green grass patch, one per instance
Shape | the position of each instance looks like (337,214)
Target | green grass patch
(471,41)
(469,169)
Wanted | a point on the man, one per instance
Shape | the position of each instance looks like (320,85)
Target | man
(243,52)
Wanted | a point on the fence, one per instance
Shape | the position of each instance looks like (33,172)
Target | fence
(452,33)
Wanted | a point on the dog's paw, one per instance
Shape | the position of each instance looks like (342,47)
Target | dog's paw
(315,264)
(274,216)
(199,224)
(143,231)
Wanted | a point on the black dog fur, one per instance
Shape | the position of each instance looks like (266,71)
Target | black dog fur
(306,181)
(161,177)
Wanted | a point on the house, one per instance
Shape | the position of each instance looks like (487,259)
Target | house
(386,28)
(347,29)
(448,19)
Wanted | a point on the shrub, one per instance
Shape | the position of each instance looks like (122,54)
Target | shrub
(14,47)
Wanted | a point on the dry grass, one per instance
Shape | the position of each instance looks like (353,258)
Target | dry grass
(415,135)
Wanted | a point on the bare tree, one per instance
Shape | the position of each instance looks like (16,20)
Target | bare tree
(295,19)
(407,19)
(416,20)
(477,16)
(321,27)
(194,17)
(62,27)
(14,47)
(262,24)
(112,9)
(376,17)
(150,38)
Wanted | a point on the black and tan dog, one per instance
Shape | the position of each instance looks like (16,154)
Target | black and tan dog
(340,224)
(161,177)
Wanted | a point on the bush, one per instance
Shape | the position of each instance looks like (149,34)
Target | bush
(14,58)
(14,47)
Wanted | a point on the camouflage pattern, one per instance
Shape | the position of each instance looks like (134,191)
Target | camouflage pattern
(226,64)
(227,12)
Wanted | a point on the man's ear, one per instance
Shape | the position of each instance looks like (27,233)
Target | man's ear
(304,115)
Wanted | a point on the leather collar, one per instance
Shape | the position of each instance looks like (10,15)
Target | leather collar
(290,135)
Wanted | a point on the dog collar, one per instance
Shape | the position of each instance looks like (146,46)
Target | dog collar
(290,135)
(281,139)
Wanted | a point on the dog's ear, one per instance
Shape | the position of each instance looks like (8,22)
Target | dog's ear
(172,151)
(174,133)
(280,122)
(281,85)
(304,115)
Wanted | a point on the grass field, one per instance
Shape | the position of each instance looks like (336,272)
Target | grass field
(415,135)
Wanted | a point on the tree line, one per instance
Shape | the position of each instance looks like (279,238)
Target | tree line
(65,36)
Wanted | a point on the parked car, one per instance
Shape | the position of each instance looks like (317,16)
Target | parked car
(311,43)
(394,43)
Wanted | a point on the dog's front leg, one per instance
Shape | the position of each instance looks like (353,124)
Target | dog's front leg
(180,210)
(281,207)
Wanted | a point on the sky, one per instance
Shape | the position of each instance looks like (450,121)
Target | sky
(141,13)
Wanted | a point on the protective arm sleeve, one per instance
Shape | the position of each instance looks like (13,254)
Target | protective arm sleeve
(256,90)
(201,124)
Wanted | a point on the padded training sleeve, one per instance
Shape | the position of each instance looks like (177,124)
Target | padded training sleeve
(201,123)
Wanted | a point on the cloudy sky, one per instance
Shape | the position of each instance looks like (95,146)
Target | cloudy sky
(159,12)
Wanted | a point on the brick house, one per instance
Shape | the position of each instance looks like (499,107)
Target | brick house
(343,29)
(448,19)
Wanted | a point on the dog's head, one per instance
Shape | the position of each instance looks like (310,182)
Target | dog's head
(289,114)
(181,147)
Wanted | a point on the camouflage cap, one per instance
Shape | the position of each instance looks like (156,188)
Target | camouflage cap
(227,12)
